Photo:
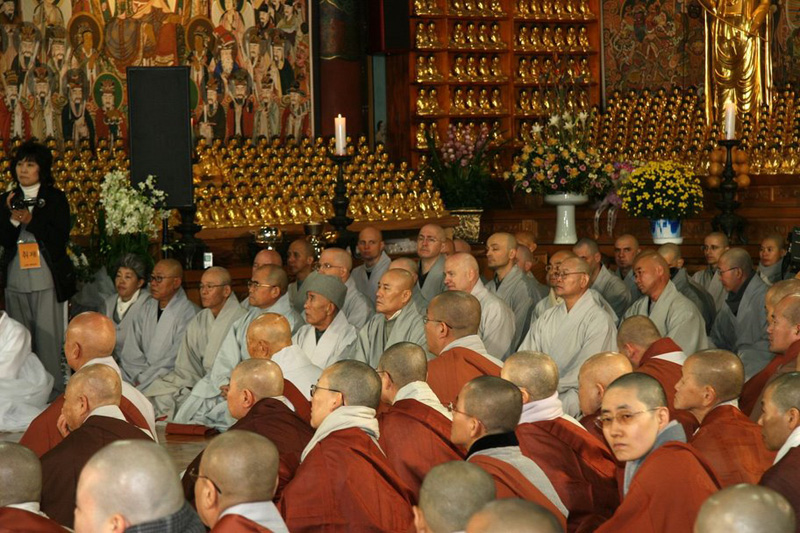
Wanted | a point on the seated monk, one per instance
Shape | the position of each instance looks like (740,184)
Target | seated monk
(783,310)
(92,419)
(452,321)
(256,401)
(484,419)
(90,340)
(513,515)
(133,486)
(415,430)
(729,441)
(581,469)
(410,266)
(21,490)
(780,425)
(745,508)
(665,481)
(345,482)
(236,483)
(450,494)
(596,374)
(656,356)
(356,307)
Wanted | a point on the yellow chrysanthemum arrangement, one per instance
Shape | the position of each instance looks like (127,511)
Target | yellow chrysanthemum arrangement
(662,189)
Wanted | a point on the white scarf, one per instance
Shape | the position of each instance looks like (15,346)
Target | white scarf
(539,410)
(421,391)
(792,442)
(122,307)
(31,191)
(345,417)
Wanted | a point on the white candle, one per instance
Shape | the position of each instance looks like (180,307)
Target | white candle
(341,134)
(730,120)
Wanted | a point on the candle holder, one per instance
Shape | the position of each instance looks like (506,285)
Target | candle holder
(728,221)
(341,202)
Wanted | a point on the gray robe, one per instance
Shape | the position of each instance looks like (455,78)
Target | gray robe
(746,333)
(497,322)
(296,296)
(614,290)
(698,296)
(368,285)
(356,307)
(434,281)
(151,345)
(374,338)
(771,274)
(536,290)
(630,282)
(121,327)
(552,300)
(514,291)
(196,356)
(571,337)
(708,278)
(676,317)
(336,343)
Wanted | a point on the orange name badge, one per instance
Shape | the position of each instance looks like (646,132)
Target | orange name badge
(29,255)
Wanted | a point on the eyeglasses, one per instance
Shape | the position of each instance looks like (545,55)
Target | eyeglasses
(721,272)
(452,408)
(159,279)
(253,284)
(314,389)
(327,266)
(425,238)
(622,418)
(209,287)
(425,320)
(194,475)
(558,274)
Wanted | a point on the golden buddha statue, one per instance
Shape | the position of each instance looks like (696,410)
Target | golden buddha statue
(422,102)
(497,100)
(495,38)
(458,71)
(483,36)
(459,38)
(535,69)
(483,100)
(523,39)
(433,37)
(523,70)
(471,101)
(583,39)
(559,40)
(459,102)
(470,7)
(421,35)
(496,8)
(535,42)
(433,70)
(548,43)
(522,8)
(456,7)
(433,102)
(471,36)
(497,69)
(484,69)
(524,101)
(572,44)
(472,69)
(422,69)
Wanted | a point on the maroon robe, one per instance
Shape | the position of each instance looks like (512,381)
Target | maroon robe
(454,368)
(272,419)
(582,470)
(783,477)
(301,404)
(415,438)
(62,465)
(18,520)
(510,483)
(753,390)
(668,374)
(346,484)
(588,421)
(732,444)
(236,523)
(666,493)
(42,434)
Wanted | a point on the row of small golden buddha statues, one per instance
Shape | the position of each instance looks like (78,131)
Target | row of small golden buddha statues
(470,36)
(469,68)
(569,10)
(553,9)
(532,38)
(543,101)
(533,69)
(460,8)
(421,141)
(471,101)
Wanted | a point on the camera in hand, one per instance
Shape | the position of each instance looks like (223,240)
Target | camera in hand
(18,201)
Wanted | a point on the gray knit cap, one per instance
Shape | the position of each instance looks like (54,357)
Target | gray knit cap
(330,287)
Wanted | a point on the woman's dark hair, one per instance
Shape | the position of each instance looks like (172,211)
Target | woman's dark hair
(133,262)
(38,153)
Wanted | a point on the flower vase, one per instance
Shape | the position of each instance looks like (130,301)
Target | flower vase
(565,215)
(666,231)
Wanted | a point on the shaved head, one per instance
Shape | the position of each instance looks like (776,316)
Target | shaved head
(451,493)
(497,403)
(589,244)
(648,390)
(465,262)
(786,391)
(272,275)
(461,272)
(460,245)
(575,264)
(782,289)
(220,275)
(136,479)
(513,515)
(99,383)
(789,308)
(262,377)
(20,475)
(405,362)
(671,254)
(270,332)
(638,330)
(407,264)
(723,239)
(401,277)
(337,257)
(506,239)
(172,266)
(358,382)
(267,257)
(534,372)
(460,310)
(719,369)
(526,239)
(524,254)
(745,508)
(737,258)
(596,374)
(89,335)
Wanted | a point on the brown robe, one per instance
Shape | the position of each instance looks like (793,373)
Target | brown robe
(753,390)
(454,368)
(18,520)
(62,465)
(732,444)
(270,418)
(234,523)
(302,406)
(345,484)
(415,438)
(783,477)
(581,469)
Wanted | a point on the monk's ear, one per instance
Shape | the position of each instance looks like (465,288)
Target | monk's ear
(117,523)
(680,262)
(419,520)
(526,396)
(249,398)
(793,417)
(226,290)
(406,296)
(85,407)
(662,415)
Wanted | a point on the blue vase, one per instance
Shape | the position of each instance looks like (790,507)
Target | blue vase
(665,231)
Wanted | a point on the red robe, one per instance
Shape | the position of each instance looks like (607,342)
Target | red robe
(668,374)
(454,368)
(582,470)
(270,418)
(666,493)
(236,523)
(416,438)
(750,400)
(588,421)
(732,444)
(510,483)
(346,484)
(62,465)
(42,434)
(301,404)
(782,478)
(12,519)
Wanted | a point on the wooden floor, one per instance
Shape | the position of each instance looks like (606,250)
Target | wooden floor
(182,448)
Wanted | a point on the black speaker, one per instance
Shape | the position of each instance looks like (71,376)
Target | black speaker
(161,130)
(389,26)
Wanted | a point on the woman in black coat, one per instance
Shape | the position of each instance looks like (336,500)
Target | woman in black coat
(39,274)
